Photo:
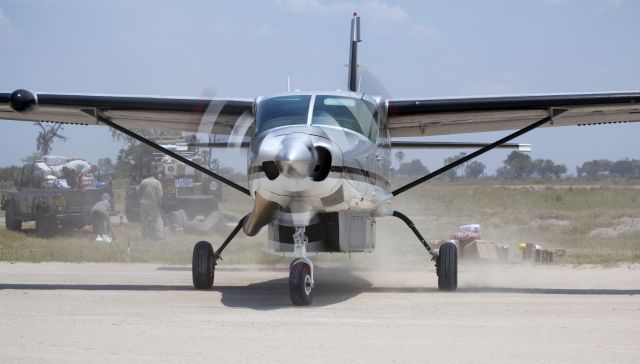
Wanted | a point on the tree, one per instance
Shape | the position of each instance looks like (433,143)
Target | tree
(546,168)
(105,165)
(517,165)
(415,168)
(7,173)
(400,157)
(47,135)
(558,170)
(152,134)
(474,169)
(622,168)
(594,169)
(129,160)
(31,158)
(453,172)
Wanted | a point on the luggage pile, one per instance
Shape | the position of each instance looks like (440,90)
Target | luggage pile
(58,172)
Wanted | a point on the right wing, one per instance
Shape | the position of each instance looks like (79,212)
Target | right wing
(428,117)
(211,116)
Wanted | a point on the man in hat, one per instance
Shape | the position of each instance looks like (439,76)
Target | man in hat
(150,192)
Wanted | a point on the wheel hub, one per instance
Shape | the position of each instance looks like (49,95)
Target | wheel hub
(307,284)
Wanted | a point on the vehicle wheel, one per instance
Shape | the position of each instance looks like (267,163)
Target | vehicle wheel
(447,267)
(10,221)
(45,225)
(300,287)
(202,265)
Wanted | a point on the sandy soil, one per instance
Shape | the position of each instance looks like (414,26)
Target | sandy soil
(59,312)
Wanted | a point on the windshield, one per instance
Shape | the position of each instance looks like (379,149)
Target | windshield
(282,111)
(347,112)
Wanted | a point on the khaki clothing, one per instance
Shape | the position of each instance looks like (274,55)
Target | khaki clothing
(150,192)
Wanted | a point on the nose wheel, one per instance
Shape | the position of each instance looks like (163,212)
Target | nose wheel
(300,284)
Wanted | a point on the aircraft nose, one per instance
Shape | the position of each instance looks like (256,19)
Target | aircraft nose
(297,157)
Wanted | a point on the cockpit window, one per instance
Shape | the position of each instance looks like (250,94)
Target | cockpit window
(282,111)
(347,112)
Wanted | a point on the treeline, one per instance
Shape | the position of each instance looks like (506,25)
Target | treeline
(519,165)
(516,166)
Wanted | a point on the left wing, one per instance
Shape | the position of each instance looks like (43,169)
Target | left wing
(218,116)
(466,115)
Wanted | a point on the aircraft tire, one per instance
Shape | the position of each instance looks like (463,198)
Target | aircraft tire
(448,267)
(11,222)
(202,265)
(300,284)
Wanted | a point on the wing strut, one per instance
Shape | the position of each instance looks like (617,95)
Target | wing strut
(208,172)
(553,113)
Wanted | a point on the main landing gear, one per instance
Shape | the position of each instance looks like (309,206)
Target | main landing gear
(446,259)
(301,281)
(204,260)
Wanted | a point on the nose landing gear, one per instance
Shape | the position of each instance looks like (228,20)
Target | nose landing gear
(301,283)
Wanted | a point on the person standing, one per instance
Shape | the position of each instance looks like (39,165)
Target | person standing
(150,192)
(101,220)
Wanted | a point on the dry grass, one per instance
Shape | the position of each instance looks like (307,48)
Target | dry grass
(558,216)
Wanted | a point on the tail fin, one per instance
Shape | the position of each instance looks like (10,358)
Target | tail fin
(353,53)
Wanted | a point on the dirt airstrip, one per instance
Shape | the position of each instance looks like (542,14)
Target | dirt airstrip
(60,312)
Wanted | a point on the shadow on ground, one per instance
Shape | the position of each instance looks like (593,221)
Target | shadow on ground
(335,286)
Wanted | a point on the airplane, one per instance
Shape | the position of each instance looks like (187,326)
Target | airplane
(319,162)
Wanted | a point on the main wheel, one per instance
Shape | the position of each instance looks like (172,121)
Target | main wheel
(300,287)
(447,267)
(202,265)
(9,220)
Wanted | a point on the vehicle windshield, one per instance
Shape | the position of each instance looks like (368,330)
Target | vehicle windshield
(347,112)
(282,111)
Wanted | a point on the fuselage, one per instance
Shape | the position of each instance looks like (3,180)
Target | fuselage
(320,152)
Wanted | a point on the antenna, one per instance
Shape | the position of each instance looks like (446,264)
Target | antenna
(353,53)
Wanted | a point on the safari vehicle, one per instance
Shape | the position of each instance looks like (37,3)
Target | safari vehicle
(182,188)
(49,207)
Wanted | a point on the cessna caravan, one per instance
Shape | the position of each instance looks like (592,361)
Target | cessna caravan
(319,162)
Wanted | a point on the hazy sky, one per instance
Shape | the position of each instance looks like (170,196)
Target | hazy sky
(247,48)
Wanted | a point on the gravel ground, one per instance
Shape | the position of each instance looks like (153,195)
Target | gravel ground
(58,312)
